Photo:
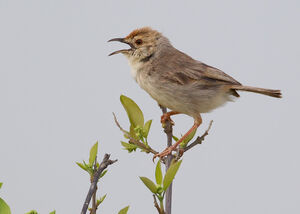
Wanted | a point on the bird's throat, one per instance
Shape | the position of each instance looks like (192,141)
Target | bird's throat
(135,66)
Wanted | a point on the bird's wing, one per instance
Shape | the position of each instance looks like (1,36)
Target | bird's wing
(182,69)
(206,71)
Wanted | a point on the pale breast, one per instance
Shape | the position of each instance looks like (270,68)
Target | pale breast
(135,66)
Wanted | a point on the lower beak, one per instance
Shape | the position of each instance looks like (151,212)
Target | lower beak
(119,51)
(123,50)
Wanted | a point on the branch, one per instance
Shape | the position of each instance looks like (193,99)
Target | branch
(199,140)
(134,141)
(169,132)
(94,203)
(103,165)
(94,200)
(168,127)
(157,206)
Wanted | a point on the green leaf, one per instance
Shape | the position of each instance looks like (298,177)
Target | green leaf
(158,173)
(53,212)
(188,139)
(124,210)
(31,212)
(170,174)
(81,166)
(139,132)
(102,198)
(1,185)
(160,190)
(151,186)
(146,128)
(134,113)
(89,168)
(4,208)
(103,173)
(133,133)
(175,138)
(128,146)
(93,154)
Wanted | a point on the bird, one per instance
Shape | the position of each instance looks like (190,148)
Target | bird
(177,81)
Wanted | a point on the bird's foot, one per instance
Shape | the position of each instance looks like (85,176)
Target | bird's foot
(166,117)
(165,153)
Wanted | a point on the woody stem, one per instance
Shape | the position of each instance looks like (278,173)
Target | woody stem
(169,132)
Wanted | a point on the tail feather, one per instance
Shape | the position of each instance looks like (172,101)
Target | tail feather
(268,92)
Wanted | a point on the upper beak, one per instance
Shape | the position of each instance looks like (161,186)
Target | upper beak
(123,50)
(116,39)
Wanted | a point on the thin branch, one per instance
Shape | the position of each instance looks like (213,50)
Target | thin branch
(94,205)
(103,165)
(118,124)
(134,141)
(94,200)
(156,205)
(200,139)
(169,132)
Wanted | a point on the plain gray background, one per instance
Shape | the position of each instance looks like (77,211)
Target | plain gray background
(58,89)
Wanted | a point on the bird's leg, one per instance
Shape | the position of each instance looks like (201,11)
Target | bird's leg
(167,116)
(169,150)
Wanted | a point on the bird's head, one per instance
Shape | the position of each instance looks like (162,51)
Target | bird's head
(143,43)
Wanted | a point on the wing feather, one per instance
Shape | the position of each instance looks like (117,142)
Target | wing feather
(177,67)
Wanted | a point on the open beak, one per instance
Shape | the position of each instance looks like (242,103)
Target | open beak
(123,50)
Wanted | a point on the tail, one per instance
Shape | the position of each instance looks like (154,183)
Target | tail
(269,92)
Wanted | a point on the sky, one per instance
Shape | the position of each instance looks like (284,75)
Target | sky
(58,89)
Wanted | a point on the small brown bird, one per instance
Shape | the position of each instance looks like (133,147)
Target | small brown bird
(177,81)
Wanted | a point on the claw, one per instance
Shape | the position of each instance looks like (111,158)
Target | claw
(166,117)
(164,153)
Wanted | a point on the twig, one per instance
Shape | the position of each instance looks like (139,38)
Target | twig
(156,205)
(200,139)
(94,200)
(134,141)
(118,124)
(94,205)
(103,165)
(169,132)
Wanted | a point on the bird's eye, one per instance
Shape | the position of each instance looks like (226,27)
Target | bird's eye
(139,42)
